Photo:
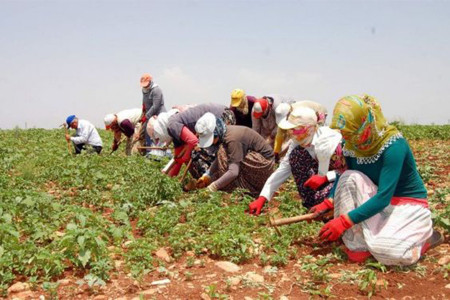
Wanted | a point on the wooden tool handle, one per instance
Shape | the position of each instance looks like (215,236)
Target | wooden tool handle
(291,220)
(186,170)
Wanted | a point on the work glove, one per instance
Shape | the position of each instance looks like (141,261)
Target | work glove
(203,181)
(322,207)
(315,181)
(212,187)
(332,230)
(256,206)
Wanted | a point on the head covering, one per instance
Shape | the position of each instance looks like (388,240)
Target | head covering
(70,119)
(150,127)
(325,143)
(260,107)
(363,126)
(160,126)
(281,112)
(220,130)
(146,78)
(283,109)
(304,120)
(300,116)
(205,129)
(237,96)
(109,118)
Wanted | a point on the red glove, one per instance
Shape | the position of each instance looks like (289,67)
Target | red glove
(322,207)
(315,181)
(255,207)
(332,230)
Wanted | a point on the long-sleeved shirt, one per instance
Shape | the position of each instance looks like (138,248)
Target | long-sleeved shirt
(238,141)
(266,126)
(127,120)
(86,134)
(189,118)
(284,170)
(241,119)
(153,101)
(395,174)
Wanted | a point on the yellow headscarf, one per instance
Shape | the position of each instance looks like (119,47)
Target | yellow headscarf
(363,126)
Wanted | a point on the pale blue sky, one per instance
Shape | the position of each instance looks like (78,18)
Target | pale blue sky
(86,57)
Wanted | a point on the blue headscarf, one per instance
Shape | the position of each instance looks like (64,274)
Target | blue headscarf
(70,119)
(220,129)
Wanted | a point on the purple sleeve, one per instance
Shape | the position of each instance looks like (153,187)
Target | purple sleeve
(127,127)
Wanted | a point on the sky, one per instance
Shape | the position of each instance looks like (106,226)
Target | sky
(86,57)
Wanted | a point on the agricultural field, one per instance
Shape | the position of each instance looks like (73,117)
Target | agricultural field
(114,227)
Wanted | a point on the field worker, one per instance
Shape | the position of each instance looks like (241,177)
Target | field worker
(282,111)
(313,150)
(244,159)
(180,128)
(242,105)
(86,133)
(152,105)
(380,205)
(263,116)
(126,122)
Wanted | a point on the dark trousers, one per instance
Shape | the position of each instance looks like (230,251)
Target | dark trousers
(79,147)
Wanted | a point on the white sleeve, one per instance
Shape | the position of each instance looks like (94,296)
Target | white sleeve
(82,134)
(279,176)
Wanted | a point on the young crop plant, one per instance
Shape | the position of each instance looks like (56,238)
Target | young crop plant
(139,259)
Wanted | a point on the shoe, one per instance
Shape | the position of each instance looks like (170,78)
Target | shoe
(433,241)
(357,256)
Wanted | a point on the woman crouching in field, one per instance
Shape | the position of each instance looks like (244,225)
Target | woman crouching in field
(380,205)
(314,157)
(244,158)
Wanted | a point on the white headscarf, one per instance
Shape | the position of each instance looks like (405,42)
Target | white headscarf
(160,126)
(325,143)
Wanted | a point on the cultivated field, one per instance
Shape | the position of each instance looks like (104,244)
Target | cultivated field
(110,226)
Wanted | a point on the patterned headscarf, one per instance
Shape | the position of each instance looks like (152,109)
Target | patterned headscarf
(363,126)
(220,129)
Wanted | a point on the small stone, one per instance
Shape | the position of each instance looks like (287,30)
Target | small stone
(161,282)
(24,295)
(447,286)
(118,264)
(335,275)
(127,243)
(190,253)
(285,278)
(203,296)
(284,298)
(248,298)
(234,281)
(381,282)
(227,266)
(63,282)
(18,287)
(100,297)
(190,286)
(211,275)
(149,292)
(162,254)
(444,260)
(252,276)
